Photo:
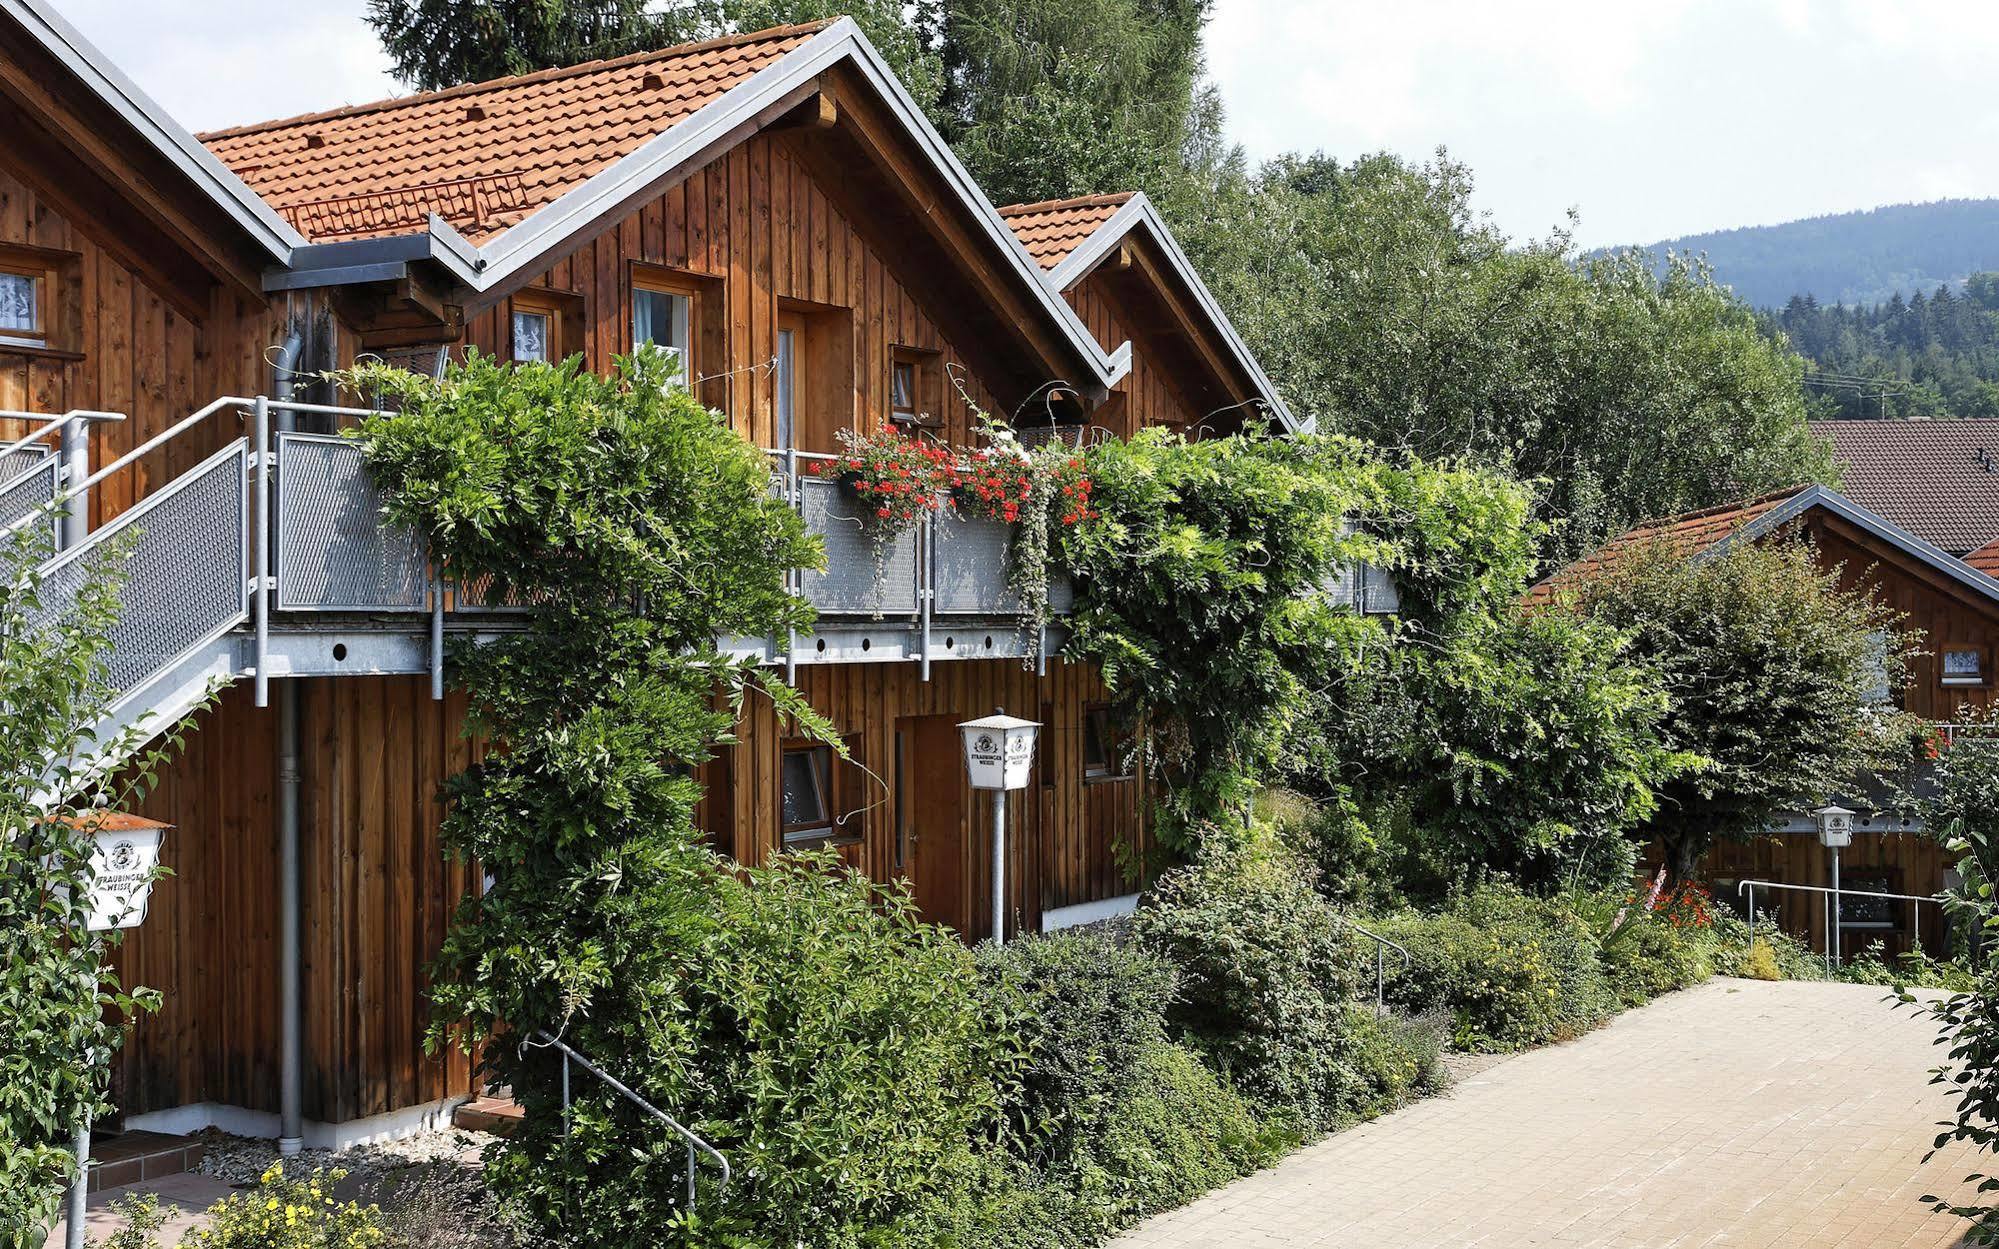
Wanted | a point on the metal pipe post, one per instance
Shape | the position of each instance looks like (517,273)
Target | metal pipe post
(291,1135)
(999,866)
(1834,933)
(76,469)
(263,587)
(79,1192)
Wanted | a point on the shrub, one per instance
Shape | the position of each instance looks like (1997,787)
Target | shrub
(1265,967)
(1760,963)
(289,1212)
(1509,969)
(1911,968)
(1651,957)
(1110,1120)
(829,1044)
(1087,1008)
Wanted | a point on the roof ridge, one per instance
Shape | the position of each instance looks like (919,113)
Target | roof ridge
(1101,200)
(1718,509)
(537,76)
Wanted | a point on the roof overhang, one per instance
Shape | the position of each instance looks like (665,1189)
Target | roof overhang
(269,231)
(1837,504)
(763,98)
(1139,214)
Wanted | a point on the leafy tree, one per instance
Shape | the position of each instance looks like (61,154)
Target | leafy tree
(1396,314)
(1053,98)
(1769,665)
(1484,741)
(1961,807)
(63,1011)
(441,43)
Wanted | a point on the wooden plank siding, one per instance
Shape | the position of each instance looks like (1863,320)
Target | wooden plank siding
(758,233)
(1147,395)
(377,894)
(130,350)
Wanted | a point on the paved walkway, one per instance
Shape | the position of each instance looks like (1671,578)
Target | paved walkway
(1737,1113)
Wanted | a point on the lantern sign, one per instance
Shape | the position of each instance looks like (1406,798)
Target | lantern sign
(999,751)
(1835,826)
(123,861)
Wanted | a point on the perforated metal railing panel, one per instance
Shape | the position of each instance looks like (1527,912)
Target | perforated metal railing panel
(185,575)
(335,552)
(849,584)
(969,565)
(28,479)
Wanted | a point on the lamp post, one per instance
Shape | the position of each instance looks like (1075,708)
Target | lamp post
(999,753)
(1835,832)
(124,862)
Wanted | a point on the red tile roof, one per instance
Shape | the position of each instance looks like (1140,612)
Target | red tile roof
(1986,558)
(1052,229)
(1937,479)
(486,155)
(1686,534)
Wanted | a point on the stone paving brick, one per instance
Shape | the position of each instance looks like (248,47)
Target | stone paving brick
(1738,1114)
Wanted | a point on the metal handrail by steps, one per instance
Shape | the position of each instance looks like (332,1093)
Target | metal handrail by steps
(696,1147)
(1381,947)
(1834,929)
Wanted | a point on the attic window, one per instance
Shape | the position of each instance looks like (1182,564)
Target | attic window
(24,304)
(1963,665)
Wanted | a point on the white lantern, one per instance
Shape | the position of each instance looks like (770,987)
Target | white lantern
(1835,826)
(123,859)
(999,754)
(999,751)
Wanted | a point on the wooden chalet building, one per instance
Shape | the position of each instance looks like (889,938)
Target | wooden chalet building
(1953,606)
(775,208)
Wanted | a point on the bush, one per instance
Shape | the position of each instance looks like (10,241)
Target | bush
(1269,975)
(1911,968)
(1087,1008)
(830,1045)
(1509,969)
(289,1212)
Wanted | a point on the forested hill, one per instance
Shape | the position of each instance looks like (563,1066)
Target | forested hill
(1853,258)
(1932,354)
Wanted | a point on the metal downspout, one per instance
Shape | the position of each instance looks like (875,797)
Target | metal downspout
(291,1070)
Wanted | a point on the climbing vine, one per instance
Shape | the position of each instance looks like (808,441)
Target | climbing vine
(796,1015)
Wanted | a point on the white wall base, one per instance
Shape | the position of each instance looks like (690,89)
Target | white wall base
(1088,912)
(396,1124)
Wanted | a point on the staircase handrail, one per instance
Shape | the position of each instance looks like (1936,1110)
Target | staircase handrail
(695,1145)
(75,489)
(51,424)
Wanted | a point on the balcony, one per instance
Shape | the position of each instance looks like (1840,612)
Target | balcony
(270,558)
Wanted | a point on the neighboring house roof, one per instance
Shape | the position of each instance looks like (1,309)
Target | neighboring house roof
(487,155)
(1053,229)
(1069,238)
(1986,558)
(1688,533)
(1937,479)
(153,126)
(1702,534)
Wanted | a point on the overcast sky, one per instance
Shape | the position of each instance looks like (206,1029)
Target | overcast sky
(1651,119)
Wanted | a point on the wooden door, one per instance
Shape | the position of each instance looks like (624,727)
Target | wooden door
(931,792)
